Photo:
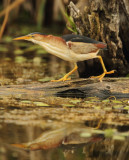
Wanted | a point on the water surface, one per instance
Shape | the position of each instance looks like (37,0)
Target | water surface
(55,128)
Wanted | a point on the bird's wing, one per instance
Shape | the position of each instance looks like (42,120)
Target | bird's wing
(82,48)
(79,38)
(82,44)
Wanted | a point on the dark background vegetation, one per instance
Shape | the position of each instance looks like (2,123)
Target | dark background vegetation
(35,15)
(21,17)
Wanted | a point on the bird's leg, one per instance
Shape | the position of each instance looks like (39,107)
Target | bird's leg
(100,77)
(67,75)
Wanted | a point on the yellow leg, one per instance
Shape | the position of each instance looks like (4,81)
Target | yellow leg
(67,75)
(104,70)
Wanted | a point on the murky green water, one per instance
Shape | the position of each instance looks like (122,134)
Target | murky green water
(34,127)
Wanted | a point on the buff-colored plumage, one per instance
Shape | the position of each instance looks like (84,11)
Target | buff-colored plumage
(72,48)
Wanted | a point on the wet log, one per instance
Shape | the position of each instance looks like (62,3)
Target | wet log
(106,21)
(80,88)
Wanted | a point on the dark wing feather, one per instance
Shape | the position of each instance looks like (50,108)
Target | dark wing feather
(80,38)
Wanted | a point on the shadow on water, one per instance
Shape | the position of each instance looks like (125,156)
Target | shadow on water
(53,128)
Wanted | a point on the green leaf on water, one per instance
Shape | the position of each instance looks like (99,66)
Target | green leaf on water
(88,102)
(119,137)
(107,108)
(97,131)
(114,101)
(86,134)
(45,79)
(125,101)
(118,106)
(109,132)
(75,101)
(127,107)
(41,104)
(106,101)
(26,101)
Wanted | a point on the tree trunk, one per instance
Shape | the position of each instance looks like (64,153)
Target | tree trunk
(106,21)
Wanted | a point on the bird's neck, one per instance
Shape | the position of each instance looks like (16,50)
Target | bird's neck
(60,50)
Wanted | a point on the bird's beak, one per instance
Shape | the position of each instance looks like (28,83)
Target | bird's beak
(22,38)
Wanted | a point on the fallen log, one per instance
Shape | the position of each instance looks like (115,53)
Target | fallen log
(79,88)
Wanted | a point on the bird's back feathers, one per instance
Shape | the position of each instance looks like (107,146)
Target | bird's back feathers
(83,39)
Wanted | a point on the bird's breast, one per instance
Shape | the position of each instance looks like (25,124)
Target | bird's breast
(61,50)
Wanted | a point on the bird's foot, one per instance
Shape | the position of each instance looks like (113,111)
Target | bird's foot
(100,77)
(61,79)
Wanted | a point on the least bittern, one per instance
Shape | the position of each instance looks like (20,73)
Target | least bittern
(72,48)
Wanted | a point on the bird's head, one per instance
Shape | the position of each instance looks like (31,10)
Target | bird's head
(33,37)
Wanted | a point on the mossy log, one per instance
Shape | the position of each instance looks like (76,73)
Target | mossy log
(81,88)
